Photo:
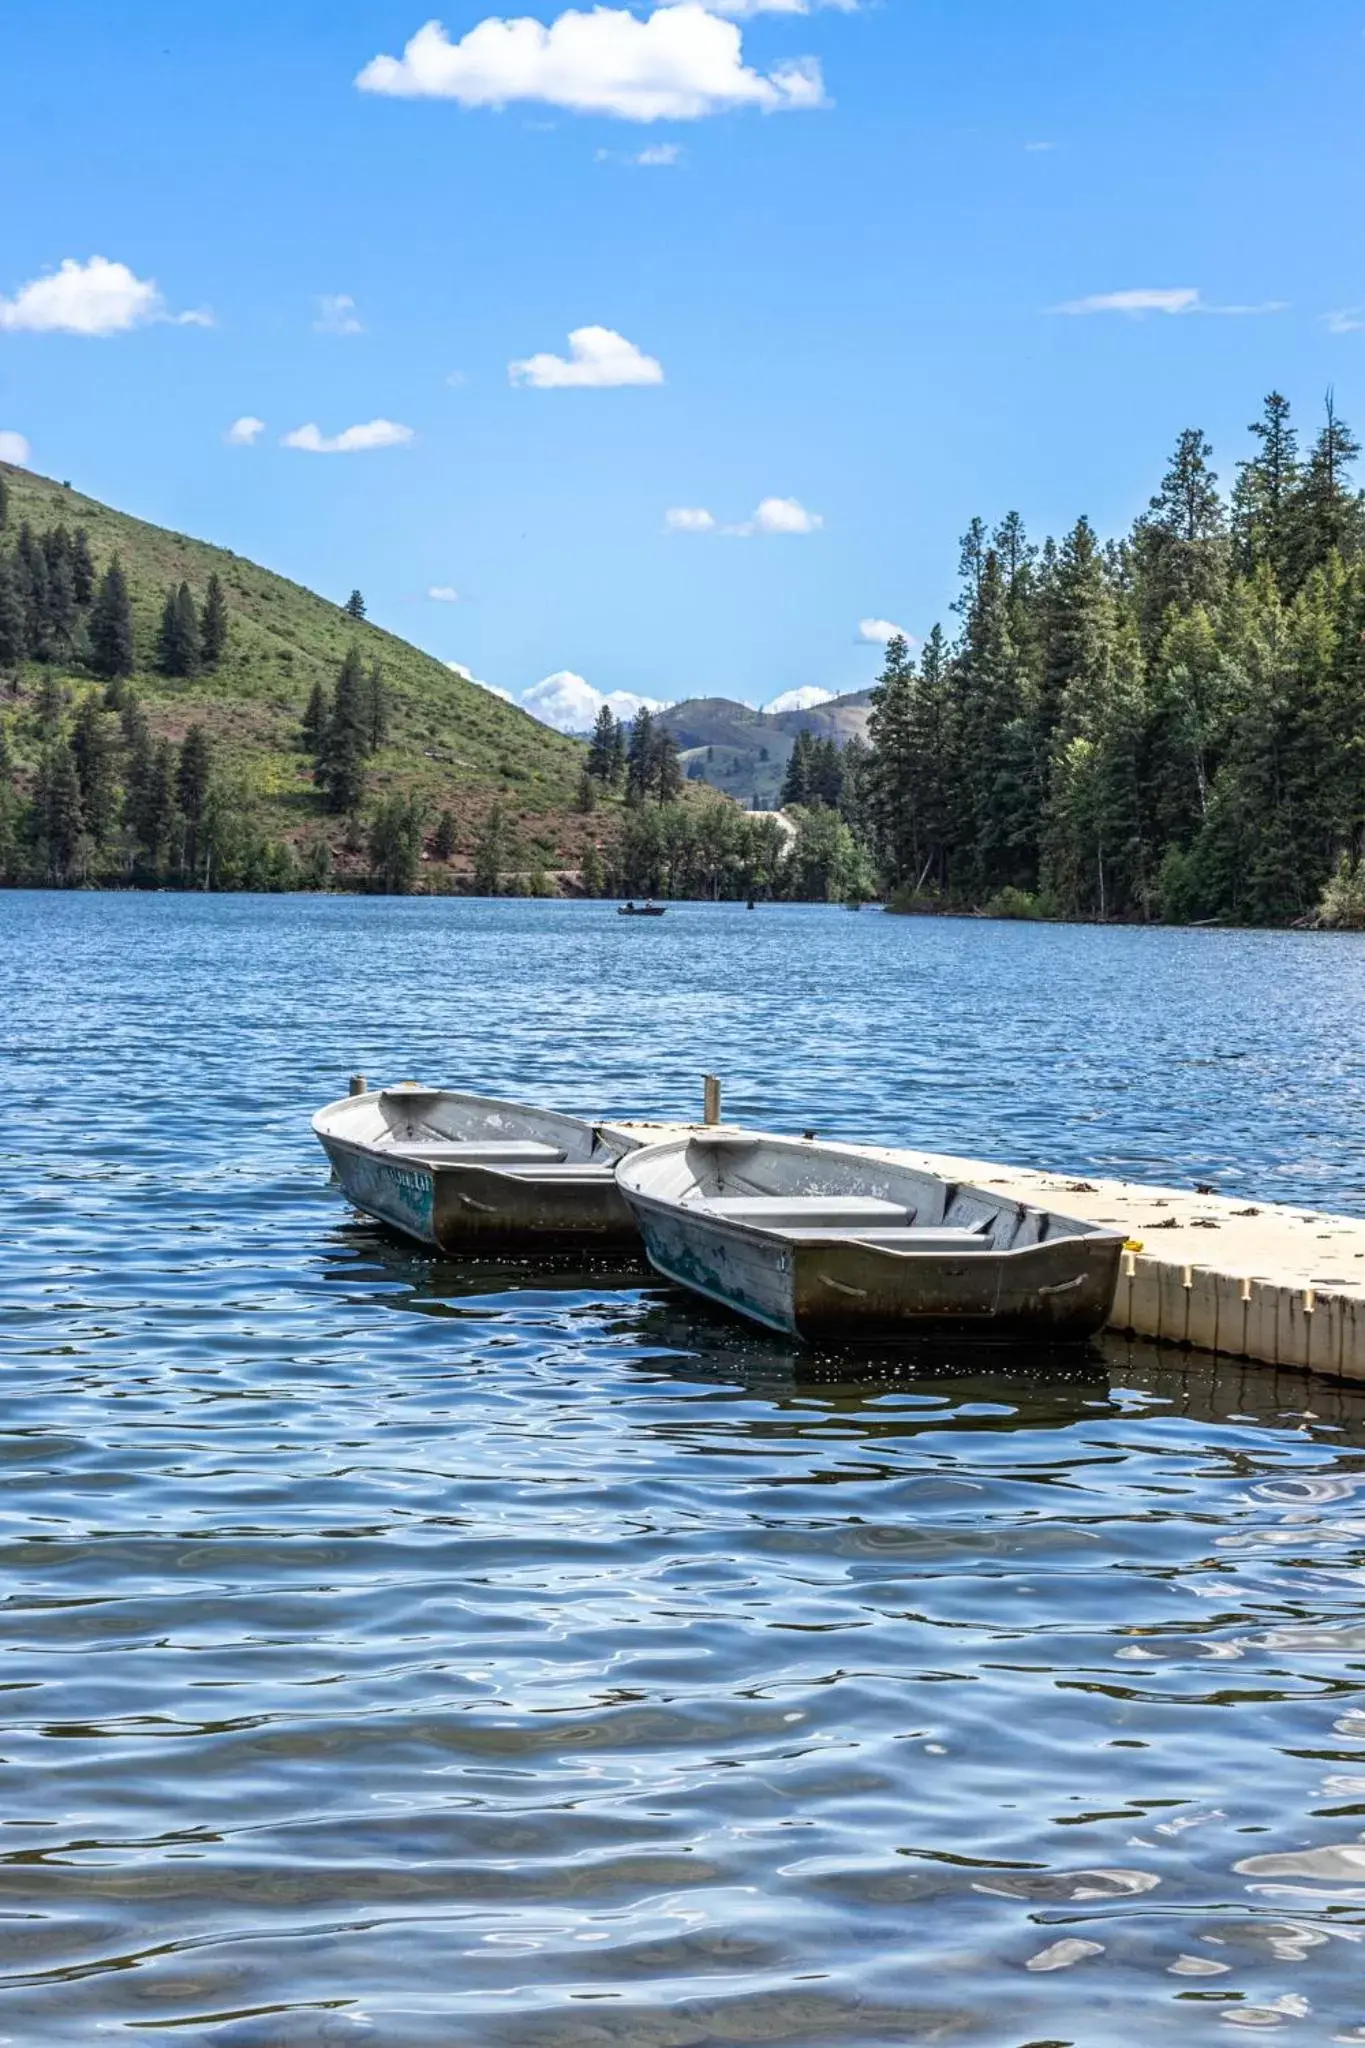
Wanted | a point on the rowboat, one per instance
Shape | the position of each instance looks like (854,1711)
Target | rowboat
(466,1172)
(830,1241)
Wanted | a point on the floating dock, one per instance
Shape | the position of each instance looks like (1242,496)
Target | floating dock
(1254,1280)
(1216,1272)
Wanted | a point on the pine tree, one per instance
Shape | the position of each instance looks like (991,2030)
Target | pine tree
(60,823)
(192,778)
(213,623)
(345,748)
(602,746)
(796,783)
(490,853)
(586,799)
(82,567)
(153,803)
(179,647)
(892,812)
(354,606)
(111,625)
(376,707)
(667,767)
(13,623)
(640,757)
(30,563)
(618,757)
(591,875)
(1326,516)
(60,604)
(93,755)
(51,707)
(316,714)
(395,845)
(444,837)
(1180,545)
(1262,498)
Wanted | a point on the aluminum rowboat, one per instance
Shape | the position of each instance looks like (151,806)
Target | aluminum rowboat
(830,1241)
(468,1172)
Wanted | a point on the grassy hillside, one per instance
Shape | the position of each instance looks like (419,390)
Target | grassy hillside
(451,743)
(745,752)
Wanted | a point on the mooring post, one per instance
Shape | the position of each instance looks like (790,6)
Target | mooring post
(359,1085)
(710,1098)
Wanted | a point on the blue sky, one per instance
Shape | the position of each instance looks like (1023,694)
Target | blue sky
(847,279)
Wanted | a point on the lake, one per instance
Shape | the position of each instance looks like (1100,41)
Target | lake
(422,1655)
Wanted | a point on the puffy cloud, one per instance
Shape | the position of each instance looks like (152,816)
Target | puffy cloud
(94,298)
(1174,299)
(877,632)
(599,359)
(689,519)
(804,699)
(750,7)
(658,155)
(337,315)
(13,447)
(1349,320)
(565,701)
(374,434)
(785,515)
(773,515)
(245,432)
(441,593)
(678,63)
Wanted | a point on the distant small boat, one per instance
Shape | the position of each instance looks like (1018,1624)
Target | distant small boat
(829,1241)
(464,1172)
(641,909)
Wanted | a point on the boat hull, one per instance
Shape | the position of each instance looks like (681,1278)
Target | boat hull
(1035,1295)
(470,1208)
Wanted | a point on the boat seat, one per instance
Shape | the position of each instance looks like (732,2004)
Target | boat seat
(779,1212)
(927,1239)
(476,1151)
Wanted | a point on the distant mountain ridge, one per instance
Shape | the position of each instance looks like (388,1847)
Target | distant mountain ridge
(744,752)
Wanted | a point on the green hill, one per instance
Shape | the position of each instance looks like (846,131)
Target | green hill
(744,752)
(450,744)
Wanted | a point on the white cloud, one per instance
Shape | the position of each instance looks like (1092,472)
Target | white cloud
(565,701)
(785,515)
(337,315)
(1174,299)
(804,699)
(374,434)
(244,433)
(751,7)
(658,155)
(773,515)
(441,593)
(877,632)
(456,379)
(98,297)
(599,359)
(689,519)
(1349,320)
(13,447)
(1038,148)
(678,63)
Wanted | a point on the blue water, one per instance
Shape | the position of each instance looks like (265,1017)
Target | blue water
(405,1653)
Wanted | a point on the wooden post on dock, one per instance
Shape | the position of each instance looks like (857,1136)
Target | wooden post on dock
(710,1099)
(359,1085)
